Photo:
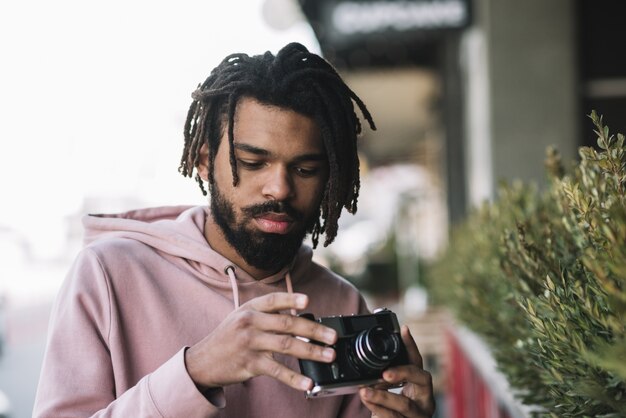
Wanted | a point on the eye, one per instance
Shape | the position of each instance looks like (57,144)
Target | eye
(307,171)
(250,164)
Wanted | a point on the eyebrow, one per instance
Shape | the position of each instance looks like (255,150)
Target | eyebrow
(315,156)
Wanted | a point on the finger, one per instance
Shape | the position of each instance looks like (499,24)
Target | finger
(277,301)
(378,411)
(293,325)
(269,367)
(410,373)
(411,347)
(419,387)
(290,345)
(388,404)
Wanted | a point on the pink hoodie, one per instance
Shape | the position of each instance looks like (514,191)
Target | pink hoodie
(146,286)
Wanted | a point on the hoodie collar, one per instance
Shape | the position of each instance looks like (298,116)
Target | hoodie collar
(179,231)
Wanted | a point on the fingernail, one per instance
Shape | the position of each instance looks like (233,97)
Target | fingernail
(328,353)
(388,375)
(366,393)
(301,301)
(329,336)
(305,383)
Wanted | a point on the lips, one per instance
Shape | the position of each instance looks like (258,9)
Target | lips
(274,223)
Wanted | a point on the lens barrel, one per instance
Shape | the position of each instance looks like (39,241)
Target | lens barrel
(375,348)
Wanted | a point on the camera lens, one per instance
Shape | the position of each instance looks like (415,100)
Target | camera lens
(376,347)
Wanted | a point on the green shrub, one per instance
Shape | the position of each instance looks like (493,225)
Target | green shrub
(541,275)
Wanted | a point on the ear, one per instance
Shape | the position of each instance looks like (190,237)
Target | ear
(203,165)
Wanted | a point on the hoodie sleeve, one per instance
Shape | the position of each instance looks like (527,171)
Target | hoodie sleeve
(77,377)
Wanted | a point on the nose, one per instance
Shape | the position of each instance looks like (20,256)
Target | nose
(278,184)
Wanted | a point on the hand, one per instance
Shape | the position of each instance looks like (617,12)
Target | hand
(416,399)
(241,347)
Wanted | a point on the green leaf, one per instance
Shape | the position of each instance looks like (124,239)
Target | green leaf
(541,275)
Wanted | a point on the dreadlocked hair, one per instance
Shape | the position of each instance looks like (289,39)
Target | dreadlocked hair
(293,79)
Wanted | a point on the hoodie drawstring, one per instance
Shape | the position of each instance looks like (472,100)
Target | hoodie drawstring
(290,290)
(230,270)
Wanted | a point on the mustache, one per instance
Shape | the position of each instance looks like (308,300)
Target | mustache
(274,207)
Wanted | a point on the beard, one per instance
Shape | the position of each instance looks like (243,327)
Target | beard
(265,251)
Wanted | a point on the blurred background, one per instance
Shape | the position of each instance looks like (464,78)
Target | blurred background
(465,93)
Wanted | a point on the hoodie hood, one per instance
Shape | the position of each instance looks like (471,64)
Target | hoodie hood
(179,231)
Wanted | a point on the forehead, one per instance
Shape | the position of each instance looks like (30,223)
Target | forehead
(275,128)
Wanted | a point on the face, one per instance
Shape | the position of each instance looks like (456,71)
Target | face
(282,168)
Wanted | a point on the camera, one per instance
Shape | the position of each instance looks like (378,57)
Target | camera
(365,347)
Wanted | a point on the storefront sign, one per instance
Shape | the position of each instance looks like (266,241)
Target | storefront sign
(353,17)
(361,33)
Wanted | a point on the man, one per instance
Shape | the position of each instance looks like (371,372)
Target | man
(184,312)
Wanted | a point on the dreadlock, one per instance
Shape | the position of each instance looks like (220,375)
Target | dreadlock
(293,79)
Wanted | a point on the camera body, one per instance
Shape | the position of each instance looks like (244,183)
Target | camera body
(365,347)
